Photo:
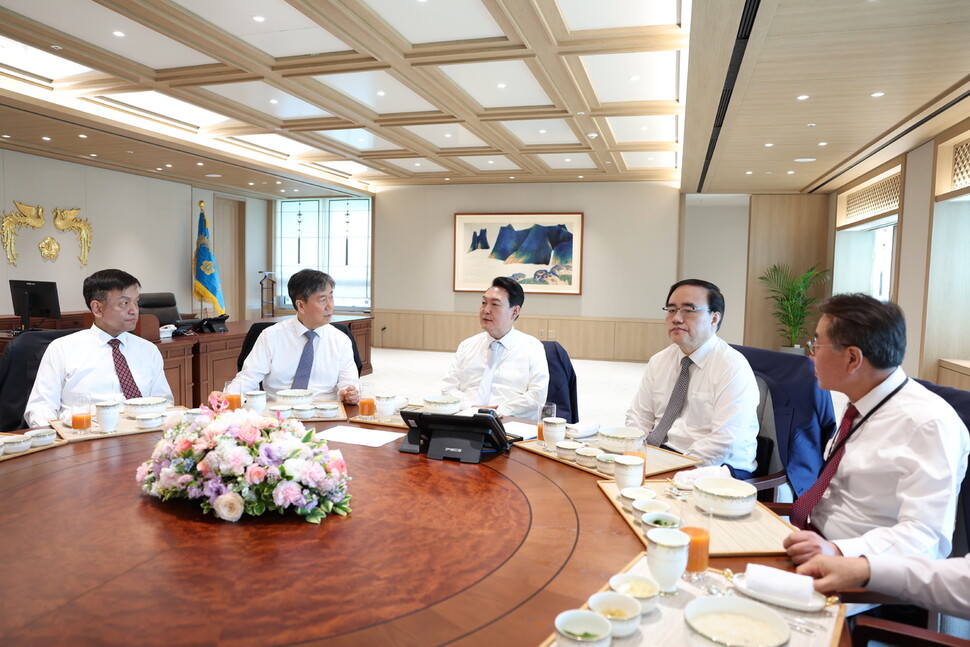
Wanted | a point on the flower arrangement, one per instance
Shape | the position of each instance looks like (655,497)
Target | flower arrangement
(238,462)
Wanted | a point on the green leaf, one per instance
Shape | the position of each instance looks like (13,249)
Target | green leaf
(792,303)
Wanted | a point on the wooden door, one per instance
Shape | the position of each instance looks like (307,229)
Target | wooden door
(228,245)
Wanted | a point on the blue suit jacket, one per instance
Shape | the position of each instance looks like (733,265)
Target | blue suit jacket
(804,415)
(562,382)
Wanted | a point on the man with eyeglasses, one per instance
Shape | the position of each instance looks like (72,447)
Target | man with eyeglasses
(698,396)
(894,469)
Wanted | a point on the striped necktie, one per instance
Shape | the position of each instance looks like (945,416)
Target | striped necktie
(674,406)
(302,378)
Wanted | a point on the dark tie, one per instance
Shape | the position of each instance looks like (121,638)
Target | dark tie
(674,407)
(302,378)
(128,386)
(803,506)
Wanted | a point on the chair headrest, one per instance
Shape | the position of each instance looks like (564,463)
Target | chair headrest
(156,300)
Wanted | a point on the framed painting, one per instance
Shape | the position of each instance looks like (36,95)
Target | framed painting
(542,251)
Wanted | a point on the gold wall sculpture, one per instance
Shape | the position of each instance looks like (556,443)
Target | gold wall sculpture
(28,217)
(49,248)
(67,219)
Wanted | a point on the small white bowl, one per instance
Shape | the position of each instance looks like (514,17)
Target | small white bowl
(304,411)
(16,444)
(608,603)
(643,588)
(725,497)
(283,410)
(630,494)
(566,449)
(149,420)
(41,437)
(586,456)
(620,439)
(294,396)
(658,519)
(139,406)
(442,404)
(192,415)
(604,463)
(576,622)
(328,410)
(643,506)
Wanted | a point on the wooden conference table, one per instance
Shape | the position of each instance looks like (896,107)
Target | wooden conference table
(433,553)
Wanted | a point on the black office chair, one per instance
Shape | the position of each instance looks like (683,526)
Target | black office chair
(562,382)
(160,304)
(257,328)
(18,370)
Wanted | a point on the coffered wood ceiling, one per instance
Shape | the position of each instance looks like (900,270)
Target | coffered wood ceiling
(336,97)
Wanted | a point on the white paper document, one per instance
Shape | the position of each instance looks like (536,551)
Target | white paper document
(523,429)
(358,436)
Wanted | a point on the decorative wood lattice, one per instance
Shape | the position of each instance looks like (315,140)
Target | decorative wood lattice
(961,165)
(881,197)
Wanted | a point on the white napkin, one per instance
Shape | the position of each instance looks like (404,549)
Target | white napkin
(684,479)
(778,583)
(582,429)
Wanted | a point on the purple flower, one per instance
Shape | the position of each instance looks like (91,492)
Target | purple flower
(213,488)
(271,454)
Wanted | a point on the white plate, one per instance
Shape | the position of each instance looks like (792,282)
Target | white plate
(817,603)
(747,611)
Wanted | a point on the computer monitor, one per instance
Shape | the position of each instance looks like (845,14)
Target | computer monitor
(34,299)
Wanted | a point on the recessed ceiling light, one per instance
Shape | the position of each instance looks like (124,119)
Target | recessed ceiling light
(447,135)
(381,93)
(644,129)
(274,101)
(791,172)
(212,175)
(282,190)
(119,34)
(769,145)
(92,154)
(447,179)
(542,131)
(748,172)
(491,161)
(592,135)
(83,136)
(168,166)
(810,125)
(5,136)
(649,159)
(259,18)
(876,95)
(767,172)
(802,97)
(569,159)
(823,143)
(252,183)
(296,190)
(501,86)
(511,177)
(200,163)
(46,139)
(278,182)
(159,168)
(417,163)
(56,48)
(130,152)
(635,77)
(804,159)
(580,177)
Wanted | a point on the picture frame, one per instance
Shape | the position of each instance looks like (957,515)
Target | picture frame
(542,251)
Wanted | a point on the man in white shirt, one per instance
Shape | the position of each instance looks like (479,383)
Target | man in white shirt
(941,585)
(715,416)
(304,352)
(894,469)
(106,361)
(500,367)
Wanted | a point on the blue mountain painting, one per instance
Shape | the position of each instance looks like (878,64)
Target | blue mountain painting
(537,245)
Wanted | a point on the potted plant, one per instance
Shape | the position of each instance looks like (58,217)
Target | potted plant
(790,294)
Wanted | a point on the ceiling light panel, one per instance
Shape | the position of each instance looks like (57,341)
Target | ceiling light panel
(284,32)
(364,87)
(650,160)
(258,96)
(348,167)
(277,143)
(446,135)
(568,160)
(359,139)
(89,21)
(169,107)
(581,15)
(35,61)
(490,162)
(536,132)
(610,76)
(481,80)
(435,22)
(417,165)
(654,128)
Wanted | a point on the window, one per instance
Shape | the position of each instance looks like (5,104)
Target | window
(332,235)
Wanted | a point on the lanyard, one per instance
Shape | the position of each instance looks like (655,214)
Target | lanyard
(842,442)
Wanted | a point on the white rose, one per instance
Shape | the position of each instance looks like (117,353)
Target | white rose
(229,506)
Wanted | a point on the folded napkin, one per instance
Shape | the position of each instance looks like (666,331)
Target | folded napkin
(582,429)
(684,479)
(778,583)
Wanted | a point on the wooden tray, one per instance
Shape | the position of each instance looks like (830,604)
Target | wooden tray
(665,625)
(658,460)
(759,533)
(127,426)
(388,421)
(58,442)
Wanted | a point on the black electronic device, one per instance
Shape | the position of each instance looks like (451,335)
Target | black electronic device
(34,299)
(210,324)
(454,437)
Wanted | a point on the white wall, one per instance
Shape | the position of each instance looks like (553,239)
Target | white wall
(145,226)
(629,248)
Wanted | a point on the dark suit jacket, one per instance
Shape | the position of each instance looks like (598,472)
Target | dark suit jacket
(18,370)
(562,382)
(804,415)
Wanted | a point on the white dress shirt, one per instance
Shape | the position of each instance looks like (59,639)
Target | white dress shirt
(719,421)
(277,352)
(936,584)
(83,363)
(521,378)
(895,491)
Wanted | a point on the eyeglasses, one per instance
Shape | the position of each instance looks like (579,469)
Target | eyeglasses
(671,311)
(811,345)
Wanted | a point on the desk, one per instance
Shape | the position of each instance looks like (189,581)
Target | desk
(434,552)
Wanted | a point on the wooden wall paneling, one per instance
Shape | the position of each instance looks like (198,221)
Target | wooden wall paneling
(954,373)
(790,229)
(586,338)
(535,326)
(177,358)
(637,341)
(948,288)
(445,330)
(395,329)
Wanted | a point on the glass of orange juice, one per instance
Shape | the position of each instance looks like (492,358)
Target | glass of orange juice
(697,525)
(368,407)
(233,395)
(548,410)
(80,406)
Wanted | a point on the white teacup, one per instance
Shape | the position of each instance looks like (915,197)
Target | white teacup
(628,471)
(108,415)
(304,411)
(442,404)
(667,557)
(192,415)
(387,405)
(553,431)
(256,401)
(328,410)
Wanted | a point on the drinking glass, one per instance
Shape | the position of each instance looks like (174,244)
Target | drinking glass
(548,410)
(667,557)
(368,408)
(80,406)
(697,526)
(233,395)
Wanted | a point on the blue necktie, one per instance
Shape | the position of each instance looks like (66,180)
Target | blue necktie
(302,378)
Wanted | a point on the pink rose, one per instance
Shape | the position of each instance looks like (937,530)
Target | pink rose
(248,434)
(255,474)
(229,506)
(337,465)
(183,444)
(142,472)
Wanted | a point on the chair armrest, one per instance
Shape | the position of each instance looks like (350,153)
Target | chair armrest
(780,509)
(895,633)
(768,481)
